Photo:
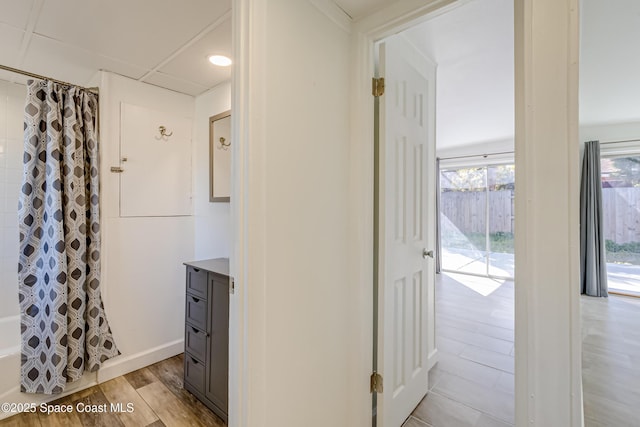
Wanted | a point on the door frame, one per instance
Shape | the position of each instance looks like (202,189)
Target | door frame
(366,34)
(531,383)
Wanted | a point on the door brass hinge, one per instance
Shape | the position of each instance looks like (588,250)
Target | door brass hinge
(377,86)
(376,383)
(232,286)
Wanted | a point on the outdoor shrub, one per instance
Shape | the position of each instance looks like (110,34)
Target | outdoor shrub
(612,246)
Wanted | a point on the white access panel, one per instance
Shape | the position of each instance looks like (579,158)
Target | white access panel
(156,177)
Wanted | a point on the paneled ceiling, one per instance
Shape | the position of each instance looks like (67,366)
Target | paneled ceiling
(162,42)
(167,42)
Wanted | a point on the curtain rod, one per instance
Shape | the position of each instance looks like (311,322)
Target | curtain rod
(40,77)
(617,142)
(475,155)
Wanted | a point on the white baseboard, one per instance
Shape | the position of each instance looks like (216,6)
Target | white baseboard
(124,364)
(432,359)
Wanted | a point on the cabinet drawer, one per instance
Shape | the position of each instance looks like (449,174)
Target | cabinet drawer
(196,342)
(197,282)
(194,372)
(197,312)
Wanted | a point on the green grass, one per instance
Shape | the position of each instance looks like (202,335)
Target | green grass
(500,242)
(623,253)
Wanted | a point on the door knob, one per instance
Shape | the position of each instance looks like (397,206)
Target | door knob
(426,253)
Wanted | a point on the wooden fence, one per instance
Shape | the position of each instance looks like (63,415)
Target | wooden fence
(467,211)
(621,212)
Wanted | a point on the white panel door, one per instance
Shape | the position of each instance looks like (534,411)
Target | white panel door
(156,180)
(406,333)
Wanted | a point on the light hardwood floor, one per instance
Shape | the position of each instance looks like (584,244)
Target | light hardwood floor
(155,391)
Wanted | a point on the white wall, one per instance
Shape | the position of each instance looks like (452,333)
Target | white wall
(473,47)
(609,62)
(211,220)
(547,295)
(143,276)
(479,148)
(12,99)
(610,132)
(292,135)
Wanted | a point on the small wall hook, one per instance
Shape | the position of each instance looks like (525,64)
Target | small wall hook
(224,145)
(163,132)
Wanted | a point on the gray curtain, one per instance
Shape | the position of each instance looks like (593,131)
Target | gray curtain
(63,324)
(593,266)
(438,225)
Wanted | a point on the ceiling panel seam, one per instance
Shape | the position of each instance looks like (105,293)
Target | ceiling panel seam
(36,36)
(183,80)
(215,24)
(34,15)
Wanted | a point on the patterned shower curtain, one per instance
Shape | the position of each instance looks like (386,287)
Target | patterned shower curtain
(63,324)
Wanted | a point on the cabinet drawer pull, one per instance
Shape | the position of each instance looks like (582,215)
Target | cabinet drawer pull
(195,361)
(197,331)
(197,270)
(196,300)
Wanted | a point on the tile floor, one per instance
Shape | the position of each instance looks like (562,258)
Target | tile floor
(611,361)
(473,383)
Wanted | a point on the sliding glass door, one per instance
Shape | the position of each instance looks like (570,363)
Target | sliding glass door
(500,216)
(621,217)
(476,217)
(463,226)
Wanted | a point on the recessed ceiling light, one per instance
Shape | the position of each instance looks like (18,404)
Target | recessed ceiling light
(220,60)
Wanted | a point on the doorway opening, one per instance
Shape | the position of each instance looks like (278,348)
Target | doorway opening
(472,372)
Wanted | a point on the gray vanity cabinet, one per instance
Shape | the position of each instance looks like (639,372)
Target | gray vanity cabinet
(206,338)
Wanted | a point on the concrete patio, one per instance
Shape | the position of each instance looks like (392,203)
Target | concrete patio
(624,278)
